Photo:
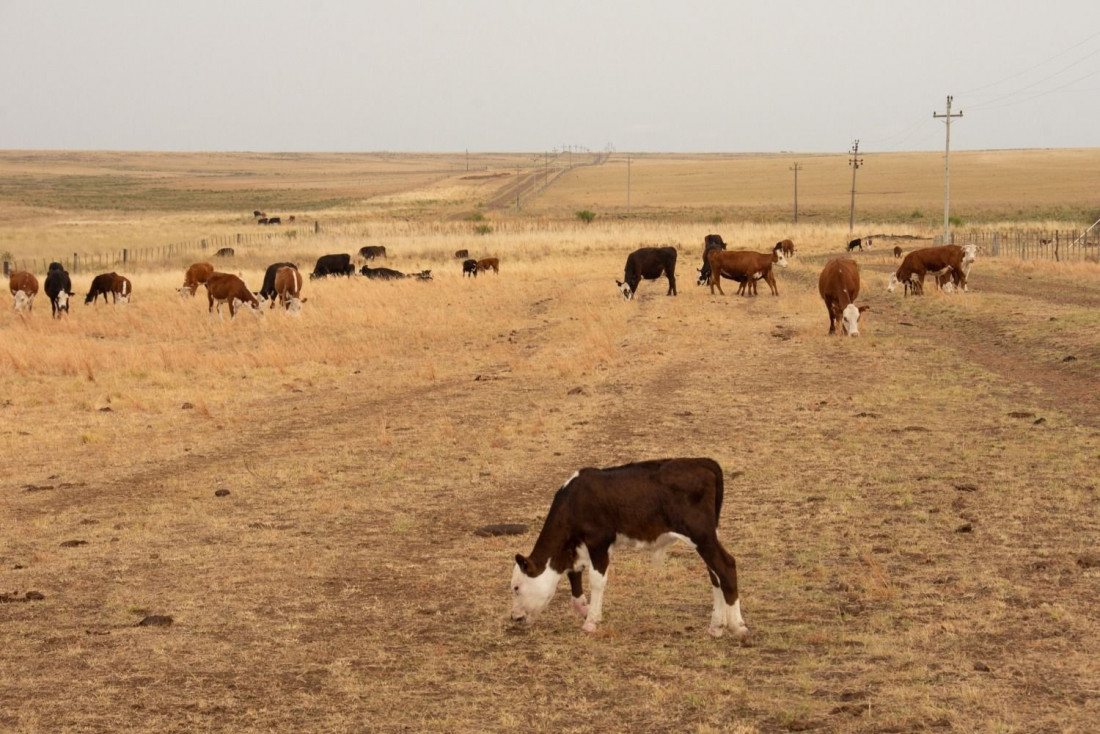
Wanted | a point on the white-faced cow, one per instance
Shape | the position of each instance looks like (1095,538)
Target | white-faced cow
(936,261)
(488,263)
(648,263)
(228,288)
(469,267)
(746,268)
(839,287)
(194,277)
(860,244)
(267,289)
(24,287)
(288,286)
(648,505)
(339,264)
(58,289)
(122,289)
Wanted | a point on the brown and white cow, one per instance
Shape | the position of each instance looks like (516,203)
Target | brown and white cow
(488,263)
(647,505)
(838,285)
(935,261)
(24,287)
(897,252)
(288,287)
(745,267)
(195,275)
(788,248)
(121,289)
(228,288)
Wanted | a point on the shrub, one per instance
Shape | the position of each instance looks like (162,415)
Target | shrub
(586,216)
(475,217)
(954,221)
(917,214)
(483,229)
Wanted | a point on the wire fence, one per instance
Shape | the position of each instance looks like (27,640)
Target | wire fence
(78,262)
(1072,245)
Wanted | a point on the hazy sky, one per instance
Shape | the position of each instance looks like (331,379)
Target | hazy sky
(523,75)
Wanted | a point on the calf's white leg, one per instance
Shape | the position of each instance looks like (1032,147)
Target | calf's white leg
(597,582)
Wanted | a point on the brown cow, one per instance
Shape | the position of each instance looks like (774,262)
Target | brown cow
(228,288)
(930,260)
(839,287)
(196,274)
(745,267)
(488,263)
(121,289)
(288,286)
(788,248)
(897,252)
(24,287)
(462,254)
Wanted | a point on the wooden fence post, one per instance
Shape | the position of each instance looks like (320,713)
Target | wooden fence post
(7,268)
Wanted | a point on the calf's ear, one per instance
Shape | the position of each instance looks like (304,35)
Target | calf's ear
(525,564)
(864,308)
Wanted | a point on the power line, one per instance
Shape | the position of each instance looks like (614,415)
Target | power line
(1031,68)
(855,162)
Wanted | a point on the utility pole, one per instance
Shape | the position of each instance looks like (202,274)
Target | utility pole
(947,166)
(855,162)
(796,168)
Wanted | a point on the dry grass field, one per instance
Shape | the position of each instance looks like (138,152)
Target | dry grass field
(914,512)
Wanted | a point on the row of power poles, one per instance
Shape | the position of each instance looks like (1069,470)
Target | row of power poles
(855,162)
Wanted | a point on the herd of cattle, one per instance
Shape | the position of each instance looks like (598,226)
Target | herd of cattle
(838,283)
(59,288)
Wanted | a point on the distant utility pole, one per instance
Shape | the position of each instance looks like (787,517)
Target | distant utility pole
(947,166)
(796,168)
(855,162)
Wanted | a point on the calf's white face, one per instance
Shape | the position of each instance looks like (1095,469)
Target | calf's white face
(782,261)
(62,301)
(849,319)
(892,283)
(22,301)
(624,288)
(531,594)
(294,306)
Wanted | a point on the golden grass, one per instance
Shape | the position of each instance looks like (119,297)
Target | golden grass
(339,587)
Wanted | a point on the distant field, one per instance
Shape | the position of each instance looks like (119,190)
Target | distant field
(914,513)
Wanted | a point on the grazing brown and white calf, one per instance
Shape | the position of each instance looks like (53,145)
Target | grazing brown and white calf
(121,289)
(936,261)
(488,263)
(228,288)
(24,287)
(288,286)
(838,285)
(745,267)
(195,275)
(648,505)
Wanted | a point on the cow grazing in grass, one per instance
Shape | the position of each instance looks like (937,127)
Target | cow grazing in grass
(225,252)
(288,286)
(648,505)
(859,244)
(746,268)
(369,252)
(228,288)
(469,267)
(788,247)
(121,289)
(338,264)
(194,277)
(58,288)
(102,285)
(710,242)
(897,252)
(935,261)
(489,263)
(461,254)
(24,287)
(648,263)
(838,285)
(267,289)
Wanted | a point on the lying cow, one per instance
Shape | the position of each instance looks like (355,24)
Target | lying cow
(935,261)
(288,287)
(461,254)
(381,273)
(194,277)
(648,263)
(839,287)
(746,268)
(648,505)
(24,287)
(228,288)
(58,288)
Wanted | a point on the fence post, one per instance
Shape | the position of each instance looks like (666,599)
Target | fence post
(316,227)
(125,256)
(204,244)
(76,263)
(7,268)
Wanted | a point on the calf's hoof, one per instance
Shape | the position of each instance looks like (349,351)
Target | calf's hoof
(589,627)
(580,604)
(715,631)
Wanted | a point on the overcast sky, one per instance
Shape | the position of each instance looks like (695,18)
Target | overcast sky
(525,75)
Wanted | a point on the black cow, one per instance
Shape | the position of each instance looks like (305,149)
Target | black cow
(710,242)
(369,252)
(257,213)
(274,220)
(469,267)
(55,266)
(267,290)
(261,220)
(59,288)
(225,252)
(859,244)
(332,265)
(648,263)
(381,273)
(102,285)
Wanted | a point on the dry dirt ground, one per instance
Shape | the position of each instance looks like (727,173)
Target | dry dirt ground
(914,514)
